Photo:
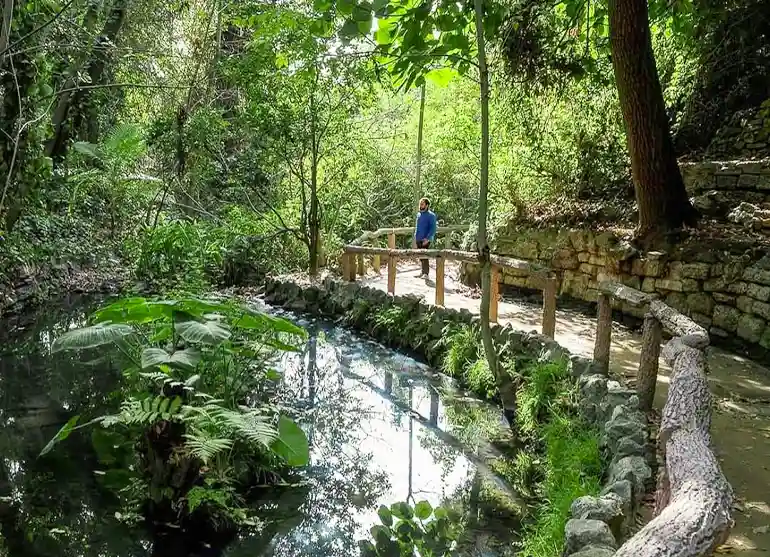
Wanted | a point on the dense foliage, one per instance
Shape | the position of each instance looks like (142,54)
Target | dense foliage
(206,143)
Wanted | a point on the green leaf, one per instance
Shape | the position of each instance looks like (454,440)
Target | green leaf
(386,517)
(402,510)
(322,5)
(62,434)
(441,76)
(187,358)
(88,149)
(91,337)
(291,444)
(345,7)
(423,510)
(349,29)
(440,512)
(176,404)
(208,332)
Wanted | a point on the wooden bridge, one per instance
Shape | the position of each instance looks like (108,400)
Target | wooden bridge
(693,511)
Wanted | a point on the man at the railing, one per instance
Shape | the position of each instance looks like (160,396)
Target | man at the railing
(425,233)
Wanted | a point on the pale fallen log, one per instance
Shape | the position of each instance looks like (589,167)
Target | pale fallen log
(694,499)
(698,518)
(680,325)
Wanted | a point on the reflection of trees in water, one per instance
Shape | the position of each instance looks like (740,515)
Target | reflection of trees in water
(343,479)
(52,505)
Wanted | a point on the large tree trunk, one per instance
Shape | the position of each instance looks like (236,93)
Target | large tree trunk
(660,193)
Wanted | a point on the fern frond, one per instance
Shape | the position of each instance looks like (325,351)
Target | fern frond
(204,447)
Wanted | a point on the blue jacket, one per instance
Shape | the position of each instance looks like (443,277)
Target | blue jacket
(426,226)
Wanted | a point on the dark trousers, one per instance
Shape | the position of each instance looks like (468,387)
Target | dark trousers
(424,262)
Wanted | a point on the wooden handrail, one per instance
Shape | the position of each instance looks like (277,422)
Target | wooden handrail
(404,230)
(693,510)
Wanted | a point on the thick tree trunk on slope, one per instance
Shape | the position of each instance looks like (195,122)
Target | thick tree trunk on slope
(694,500)
(660,193)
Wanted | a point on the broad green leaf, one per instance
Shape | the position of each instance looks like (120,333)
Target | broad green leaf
(187,358)
(135,311)
(441,76)
(440,512)
(349,29)
(402,510)
(423,510)
(61,435)
(386,517)
(291,444)
(345,7)
(91,337)
(209,332)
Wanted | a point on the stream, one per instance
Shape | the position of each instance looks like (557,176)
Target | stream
(382,428)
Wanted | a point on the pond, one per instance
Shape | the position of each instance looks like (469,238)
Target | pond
(381,426)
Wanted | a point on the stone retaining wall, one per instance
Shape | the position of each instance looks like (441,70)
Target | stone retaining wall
(723,286)
(599,524)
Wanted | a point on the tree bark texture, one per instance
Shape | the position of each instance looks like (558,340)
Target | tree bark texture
(660,192)
(689,332)
(695,500)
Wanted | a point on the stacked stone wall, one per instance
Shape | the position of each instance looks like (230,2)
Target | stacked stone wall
(723,286)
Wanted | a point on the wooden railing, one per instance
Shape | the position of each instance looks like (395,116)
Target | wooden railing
(693,511)
(354,263)
(693,506)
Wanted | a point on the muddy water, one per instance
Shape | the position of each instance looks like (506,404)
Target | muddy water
(382,428)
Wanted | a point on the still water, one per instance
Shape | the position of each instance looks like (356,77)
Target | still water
(382,428)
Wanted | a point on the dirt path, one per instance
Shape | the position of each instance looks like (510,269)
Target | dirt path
(741,422)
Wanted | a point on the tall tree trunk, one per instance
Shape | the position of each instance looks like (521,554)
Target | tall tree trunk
(56,146)
(509,403)
(660,192)
(417,193)
(313,220)
(86,99)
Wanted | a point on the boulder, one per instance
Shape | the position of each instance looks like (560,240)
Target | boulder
(608,508)
(581,533)
(624,490)
(624,426)
(634,469)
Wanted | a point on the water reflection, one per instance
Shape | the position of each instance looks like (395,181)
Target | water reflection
(382,428)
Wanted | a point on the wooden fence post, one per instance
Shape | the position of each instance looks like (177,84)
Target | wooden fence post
(346,257)
(647,378)
(603,333)
(549,306)
(439,281)
(361,265)
(392,264)
(376,264)
(494,293)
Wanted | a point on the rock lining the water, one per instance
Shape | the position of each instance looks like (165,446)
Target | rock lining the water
(581,533)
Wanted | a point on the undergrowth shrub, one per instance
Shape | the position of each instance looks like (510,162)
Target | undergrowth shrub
(560,458)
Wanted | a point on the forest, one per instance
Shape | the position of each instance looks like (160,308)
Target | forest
(170,158)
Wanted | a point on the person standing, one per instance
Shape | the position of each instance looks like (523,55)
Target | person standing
(425,233)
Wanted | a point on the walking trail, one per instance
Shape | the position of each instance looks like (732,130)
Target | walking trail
(741,389)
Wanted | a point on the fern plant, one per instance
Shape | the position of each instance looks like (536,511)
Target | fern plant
(189,365)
